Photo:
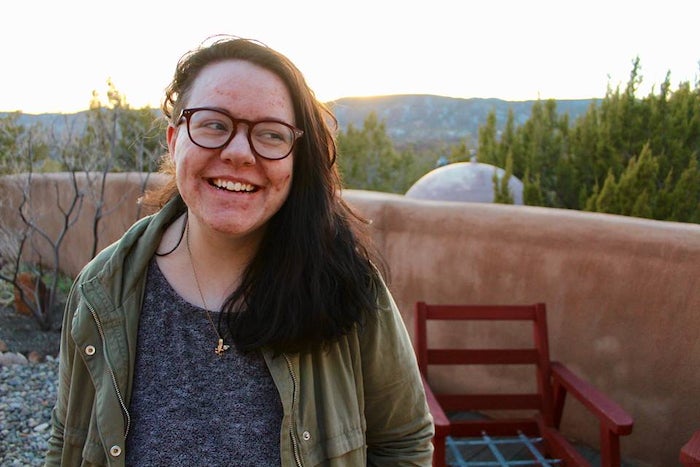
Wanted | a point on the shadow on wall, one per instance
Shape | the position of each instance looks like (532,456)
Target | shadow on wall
(622,294)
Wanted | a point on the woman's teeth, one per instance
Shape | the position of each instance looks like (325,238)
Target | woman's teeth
(228,185)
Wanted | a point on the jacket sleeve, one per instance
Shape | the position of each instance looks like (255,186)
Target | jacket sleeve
(66,355)
(399,424)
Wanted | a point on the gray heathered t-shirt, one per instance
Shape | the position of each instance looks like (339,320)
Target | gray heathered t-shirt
(190,407)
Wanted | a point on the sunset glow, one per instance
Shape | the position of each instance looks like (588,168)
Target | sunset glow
(57,53)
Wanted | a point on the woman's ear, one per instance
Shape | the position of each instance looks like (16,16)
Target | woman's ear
(171,138)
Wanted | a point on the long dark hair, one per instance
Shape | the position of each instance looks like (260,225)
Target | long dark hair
(313,278)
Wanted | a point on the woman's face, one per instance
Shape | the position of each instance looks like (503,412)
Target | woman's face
(231,190)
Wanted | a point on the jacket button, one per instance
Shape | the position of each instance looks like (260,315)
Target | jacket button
(306,435)
(90,350)
(115,451)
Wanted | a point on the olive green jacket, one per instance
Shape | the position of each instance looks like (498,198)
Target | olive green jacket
(359,402)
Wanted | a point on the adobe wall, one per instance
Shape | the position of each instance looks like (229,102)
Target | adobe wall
(622,294)
(58,200)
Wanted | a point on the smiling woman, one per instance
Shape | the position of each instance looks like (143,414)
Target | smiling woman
(255,282)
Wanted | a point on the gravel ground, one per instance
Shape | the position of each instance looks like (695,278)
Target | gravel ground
(27,391)
(27,395)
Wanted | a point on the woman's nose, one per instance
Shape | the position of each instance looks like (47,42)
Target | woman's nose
(239,148)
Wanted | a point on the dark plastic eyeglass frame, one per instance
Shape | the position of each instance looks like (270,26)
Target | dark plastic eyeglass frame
(187,113)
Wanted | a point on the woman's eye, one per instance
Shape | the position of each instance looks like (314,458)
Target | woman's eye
(216,125)
(272,135)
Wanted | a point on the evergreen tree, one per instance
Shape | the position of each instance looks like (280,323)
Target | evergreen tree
(368,160)
(642,206)
(507,143)
(685,197)
(606,200)
(532,191)
(638,181)
(460,152)
(11,133)
(501,190)
(142,140)
(626,155)
(134,138)
(488,143)
(22,149)
(590,203)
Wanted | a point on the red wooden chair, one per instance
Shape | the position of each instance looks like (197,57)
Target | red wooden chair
(690,452)
(533,418)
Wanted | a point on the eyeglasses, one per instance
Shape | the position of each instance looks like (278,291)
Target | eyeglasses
(214,129)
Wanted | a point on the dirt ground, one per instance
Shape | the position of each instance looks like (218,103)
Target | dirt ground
(22,334)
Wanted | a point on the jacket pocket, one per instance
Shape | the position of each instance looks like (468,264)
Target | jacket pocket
(81,449)
(346,448)
(93,454)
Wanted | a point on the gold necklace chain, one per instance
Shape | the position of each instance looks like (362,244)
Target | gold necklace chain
(221,347)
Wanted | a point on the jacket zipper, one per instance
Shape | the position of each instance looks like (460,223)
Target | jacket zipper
(295,444)
(109,365)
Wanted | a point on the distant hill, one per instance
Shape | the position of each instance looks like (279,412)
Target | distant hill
(410,119)
(425,119)
(55,121)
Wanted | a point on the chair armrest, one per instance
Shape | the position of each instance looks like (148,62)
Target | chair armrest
(440,420)
(690,452)
(608,412)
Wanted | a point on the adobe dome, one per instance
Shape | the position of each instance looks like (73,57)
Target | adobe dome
(463,181)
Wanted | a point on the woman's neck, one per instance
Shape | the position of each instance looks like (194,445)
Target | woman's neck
(207,266)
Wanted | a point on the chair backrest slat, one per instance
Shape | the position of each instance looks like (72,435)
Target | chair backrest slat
(483,356)
(455,402)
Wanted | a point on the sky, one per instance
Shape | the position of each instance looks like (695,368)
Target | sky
(55,53)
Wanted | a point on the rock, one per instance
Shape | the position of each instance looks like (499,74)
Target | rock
(10,358)
(3,346)
(40,428)
(35,357)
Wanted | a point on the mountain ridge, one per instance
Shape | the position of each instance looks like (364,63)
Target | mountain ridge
(409,119)
(424,118)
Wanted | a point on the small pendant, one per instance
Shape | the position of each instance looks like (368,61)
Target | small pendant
(221,348)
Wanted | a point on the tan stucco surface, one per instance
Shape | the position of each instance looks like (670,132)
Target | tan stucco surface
(623,294)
